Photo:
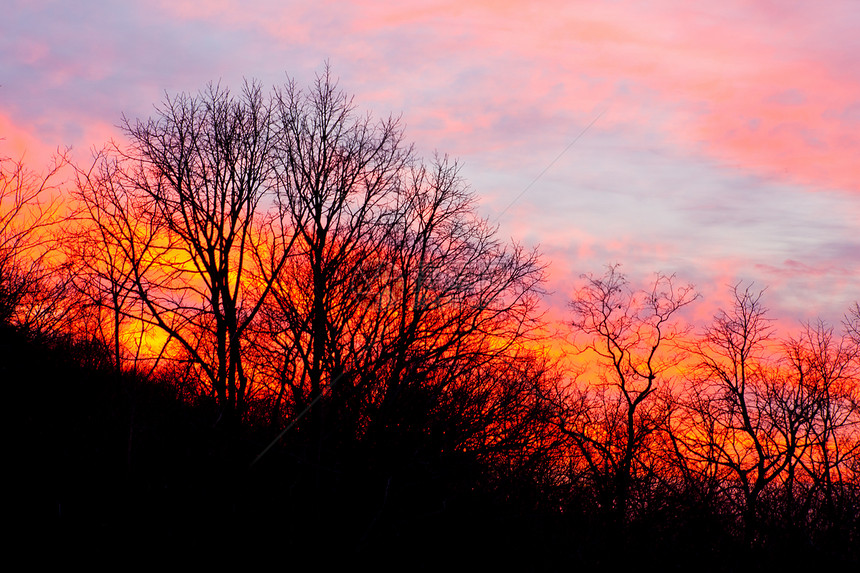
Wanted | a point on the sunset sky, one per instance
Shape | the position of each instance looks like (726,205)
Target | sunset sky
(725,143)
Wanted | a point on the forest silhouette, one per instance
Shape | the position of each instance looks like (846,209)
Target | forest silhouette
(260,320)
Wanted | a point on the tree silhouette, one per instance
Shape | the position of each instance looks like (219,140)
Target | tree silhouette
(104,261)
(737,405)
(399,304)
(185,206)
(33,287)
(823,375)
(612,423)
(337,170)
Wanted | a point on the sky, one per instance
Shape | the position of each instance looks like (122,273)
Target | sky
(717,141)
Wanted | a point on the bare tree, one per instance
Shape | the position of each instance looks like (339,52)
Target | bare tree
(336,169)
(770,426)
(33,285)
(187,205)
(742,406)
(824,378)
(399,298)
(612,421)
(109,242)
(462,298)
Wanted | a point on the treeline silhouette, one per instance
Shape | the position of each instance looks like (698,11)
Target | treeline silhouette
(264,322)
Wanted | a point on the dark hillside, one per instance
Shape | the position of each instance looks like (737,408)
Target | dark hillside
(108,464)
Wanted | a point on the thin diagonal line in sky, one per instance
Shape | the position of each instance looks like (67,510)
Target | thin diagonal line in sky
(551,163)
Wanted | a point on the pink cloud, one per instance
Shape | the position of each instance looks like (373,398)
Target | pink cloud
(772,89)
(37,147)
(14,140)
(745,84)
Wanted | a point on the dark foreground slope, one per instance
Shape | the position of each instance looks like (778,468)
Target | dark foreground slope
(122,470)
(115,465)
